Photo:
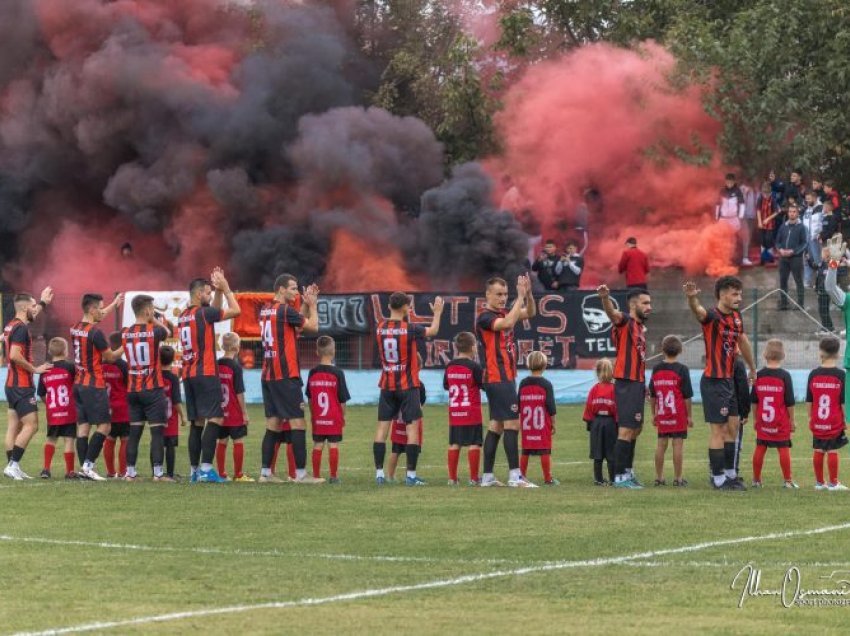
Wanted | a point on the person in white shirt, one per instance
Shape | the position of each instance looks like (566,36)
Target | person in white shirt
(813,222)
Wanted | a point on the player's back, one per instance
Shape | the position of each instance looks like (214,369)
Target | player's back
(56,390)
(463,380)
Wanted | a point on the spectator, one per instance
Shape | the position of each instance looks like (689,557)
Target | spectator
(767,212)
(548,266)
(813,222)
(824,301)
(635,265)
(794,189)
(831,222)
(832,195)
(817,188)
(730,208)
(777,187)
(747,223)
(791,242)
(572,265)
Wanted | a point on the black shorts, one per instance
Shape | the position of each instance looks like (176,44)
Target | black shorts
(679,435)
(603,436)
(284,437)
(62,430)
(21,401)
(537,451)
(170,441)
(786,443)
(232,432)
(92,405)
(403,402)
(466,435)
(330,439)
(399,449)
(719,400)
(203,398)
(284,399)
(630,398)
(148,406)
(831,444)
(119,429)
(503,401)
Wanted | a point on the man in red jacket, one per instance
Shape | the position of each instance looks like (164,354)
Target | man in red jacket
(635,264)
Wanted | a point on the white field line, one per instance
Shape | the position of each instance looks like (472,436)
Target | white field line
(430,585)
(131,547)
(728,564)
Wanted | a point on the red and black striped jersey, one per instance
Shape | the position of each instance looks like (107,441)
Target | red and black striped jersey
(398,345)
(721,333)
(115,374)
(498,350)
(197,340)
(825,395)
(141,348)
(630,342)
(56,390)
(280,326)
(88,344)
(16,334)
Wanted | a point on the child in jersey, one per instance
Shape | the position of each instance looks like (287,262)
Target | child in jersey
(175,410)
(463,379)
(235,423)
(600,415)
(537,416)
(327,393)
(825,396)
(115,374)
(56,390)
(773,396)
(671,392)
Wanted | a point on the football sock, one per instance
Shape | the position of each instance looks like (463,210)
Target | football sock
(133,445)
(95,447)
(832,463)
(268,448)
(333,460)
(195,435)
(290,461)
(412,452)
(785,462)
(379,450)
(491,445)
(817,461)
(473,456)
(512,448)
(8,456)
(169,460)
(631,464)
(122,455)
(317,462)
(546,464)
(209,440)
(621,458)
(758,461)
(597,470)
(716,458)
(82,449)
(452,461)
(729,460)
(49,449)
(69,462)
(299,449)
(109,455)
(273,464)
(523,465)
(238,459)
(220,457)
(157,449)
(611,473)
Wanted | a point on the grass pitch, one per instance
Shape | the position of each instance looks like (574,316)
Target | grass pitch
(126,558)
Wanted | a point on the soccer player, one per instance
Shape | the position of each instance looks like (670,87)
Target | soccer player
(327,393)
(537,416)
(463,380)
(280,326)
(398,341)
(773,396)
(600,415)
(20,387)
(116,375)
(629,335)
(146,396)
(670,388)
(235,425)
(494,328)
(742,396)
(56,389)
(171,387)
(91,350)
(196,330)
(398,439)
(723,332)
(825,397)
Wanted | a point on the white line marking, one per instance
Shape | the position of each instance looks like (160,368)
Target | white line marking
(430,585)
(724,564)
(251,553)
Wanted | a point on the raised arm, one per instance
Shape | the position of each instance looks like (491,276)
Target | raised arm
(310,309)
(530,310)
(221,285)
(44,301)
(833,251)
(116,302)
(615,316)
(517,311)
(692,292)
(437,309)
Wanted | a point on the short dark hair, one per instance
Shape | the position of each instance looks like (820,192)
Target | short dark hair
(829,203)
(22,297)
(730,176)
(127,246)
(140,303)
(198,284)
(115,340)
(90,300)
(798,171)
(496,280)
(166,355)
(571,243)
(829,183)
(399,300)
(549,242)
(636,293)
(283,281)
(324,345)
(631,240)
(671,346)
(465,342)
(727,282)
(830,346)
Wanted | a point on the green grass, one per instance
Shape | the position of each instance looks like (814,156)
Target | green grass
(453,531)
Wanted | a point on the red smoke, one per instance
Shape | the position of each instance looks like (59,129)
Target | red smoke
(356,264)
(610,119)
